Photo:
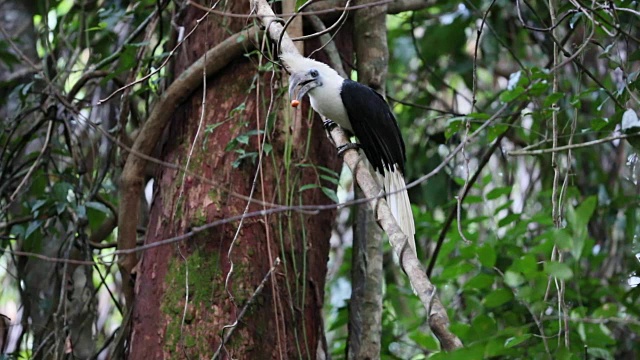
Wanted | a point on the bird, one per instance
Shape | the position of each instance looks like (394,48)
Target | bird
(364,113)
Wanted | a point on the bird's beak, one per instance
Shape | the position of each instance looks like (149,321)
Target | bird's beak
(303,83)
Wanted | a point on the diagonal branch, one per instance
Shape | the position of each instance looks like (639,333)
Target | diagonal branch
(438,319)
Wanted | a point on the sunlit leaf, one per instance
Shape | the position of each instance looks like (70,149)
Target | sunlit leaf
(559,270)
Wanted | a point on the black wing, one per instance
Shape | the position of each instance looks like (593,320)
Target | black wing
(374,125)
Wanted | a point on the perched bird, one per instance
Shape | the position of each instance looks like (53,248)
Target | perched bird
(364,113)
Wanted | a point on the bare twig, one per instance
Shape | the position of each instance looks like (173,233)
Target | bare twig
(253,297)
(556,149)
(35,163)
(483,162)
(326,9)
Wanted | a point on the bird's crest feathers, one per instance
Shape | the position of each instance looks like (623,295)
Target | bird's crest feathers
(297,63)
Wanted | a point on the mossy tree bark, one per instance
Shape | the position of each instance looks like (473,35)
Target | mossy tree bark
(187,293)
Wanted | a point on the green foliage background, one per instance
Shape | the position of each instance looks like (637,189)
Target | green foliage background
(515,285)
(517,282)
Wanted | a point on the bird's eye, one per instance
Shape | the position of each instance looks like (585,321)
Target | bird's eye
(313,72)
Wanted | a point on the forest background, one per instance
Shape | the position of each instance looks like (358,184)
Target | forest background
(159,197)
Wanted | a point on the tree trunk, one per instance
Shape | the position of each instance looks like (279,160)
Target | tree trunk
(365,307)
(216,272)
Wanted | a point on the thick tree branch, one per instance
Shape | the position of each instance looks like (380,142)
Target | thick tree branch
(132,180)
(438,319)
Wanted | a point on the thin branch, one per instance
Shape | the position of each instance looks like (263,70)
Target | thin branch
(572,146)
(335,25)
(326,9)
(452,215)
(158,69)
(35,163)
(253,297)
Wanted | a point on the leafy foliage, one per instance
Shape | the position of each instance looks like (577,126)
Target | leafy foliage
(541,262)
(518,283)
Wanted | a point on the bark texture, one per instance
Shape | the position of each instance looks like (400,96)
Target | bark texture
(185,296)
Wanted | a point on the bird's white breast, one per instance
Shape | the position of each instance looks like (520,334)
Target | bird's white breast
(327,101)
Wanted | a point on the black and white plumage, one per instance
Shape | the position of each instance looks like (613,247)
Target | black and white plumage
(363,112)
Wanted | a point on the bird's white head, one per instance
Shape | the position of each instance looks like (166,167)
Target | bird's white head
(308,74)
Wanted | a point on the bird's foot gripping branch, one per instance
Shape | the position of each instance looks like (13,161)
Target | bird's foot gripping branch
(347,146)
(328,125)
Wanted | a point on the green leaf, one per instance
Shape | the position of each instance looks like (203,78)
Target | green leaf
(37,205)
(538,88)
(60,191)
(499,191)
(455,125)
(267,148)
(579,220)
(559,270)
(330,179)
(480,281)
(331,194)
(513,279)
(426,340)
(473,199)
(599,123)
(508,219)
(552,99)
(483,324)
(211,127)
(328,171)
(487,255)
(585,211)
(578,246)
(308,186)
(479,116)
(238,109)
(244,155)
(6,57)
(513,341)
(562,239)
(498,297)
(453,272)
(33,226)
(599,353)
(526,264)
(510,95)
(243,139)
(635,56)
(98,206)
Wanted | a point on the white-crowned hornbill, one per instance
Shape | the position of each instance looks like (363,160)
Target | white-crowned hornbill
(363,112)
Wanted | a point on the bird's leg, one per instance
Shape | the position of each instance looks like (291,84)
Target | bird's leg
(273,20)
(347,146)
(329,125)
